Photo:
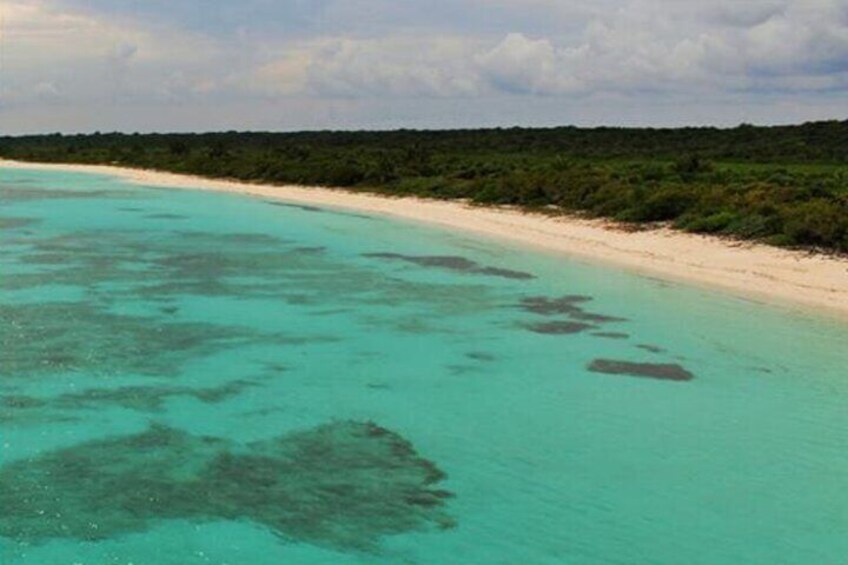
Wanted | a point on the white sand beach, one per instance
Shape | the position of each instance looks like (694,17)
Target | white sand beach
(793,279)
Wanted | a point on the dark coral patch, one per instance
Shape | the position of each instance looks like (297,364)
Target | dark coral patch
(480,356)
(213,395)
(239,265)
(441,261)
(569,305)
(597,318)
(505,273)
(275,367)
(16,223)
(559,328)
(545,306)
(236,238)
(21,402)
(20,409)
(149,398)
(166,216)
(651,348)
(302,207)
(58,337)
(453,263)
(343,485)
(662,371)
(208,264)
(611,335)
(313,250)
(307,208)
(462,369)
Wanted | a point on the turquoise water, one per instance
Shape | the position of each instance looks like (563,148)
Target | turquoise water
(191,377)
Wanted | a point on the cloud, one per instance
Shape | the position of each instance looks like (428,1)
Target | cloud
(395,66)
(522,65)
(124,52)
(644,46)
(38,32)
(84,57)
(169,54)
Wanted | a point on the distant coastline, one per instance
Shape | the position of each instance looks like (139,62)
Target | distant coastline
(794,279)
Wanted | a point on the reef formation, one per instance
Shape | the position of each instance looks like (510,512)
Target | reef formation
(342,485)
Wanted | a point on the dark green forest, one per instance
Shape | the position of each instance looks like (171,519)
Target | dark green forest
(785,185)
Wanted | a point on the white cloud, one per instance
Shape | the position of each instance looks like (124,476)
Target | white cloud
(39,33)
(637,51)
(84,57)
(395,66)
(647,46)
(521,65)
(643,46)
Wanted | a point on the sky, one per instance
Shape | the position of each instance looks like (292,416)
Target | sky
(280,65)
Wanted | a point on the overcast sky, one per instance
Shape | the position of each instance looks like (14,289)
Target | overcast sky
(178,65)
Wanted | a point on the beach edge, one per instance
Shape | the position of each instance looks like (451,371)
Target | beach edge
(791,279)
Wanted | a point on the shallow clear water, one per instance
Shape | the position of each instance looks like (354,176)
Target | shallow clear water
(189,377)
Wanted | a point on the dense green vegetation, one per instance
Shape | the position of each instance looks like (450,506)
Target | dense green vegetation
(784,185)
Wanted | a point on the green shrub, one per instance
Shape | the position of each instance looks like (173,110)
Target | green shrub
(817,222)
(714,223)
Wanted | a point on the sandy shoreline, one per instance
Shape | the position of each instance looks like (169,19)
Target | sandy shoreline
(789,278)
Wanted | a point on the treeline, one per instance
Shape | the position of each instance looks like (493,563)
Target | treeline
(784,185)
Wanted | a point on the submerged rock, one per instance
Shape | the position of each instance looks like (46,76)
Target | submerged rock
(343,485)
(663,371)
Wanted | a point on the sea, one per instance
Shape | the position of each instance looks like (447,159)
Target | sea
(190,377)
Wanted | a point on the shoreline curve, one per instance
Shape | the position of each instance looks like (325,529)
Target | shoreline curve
(792,279)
